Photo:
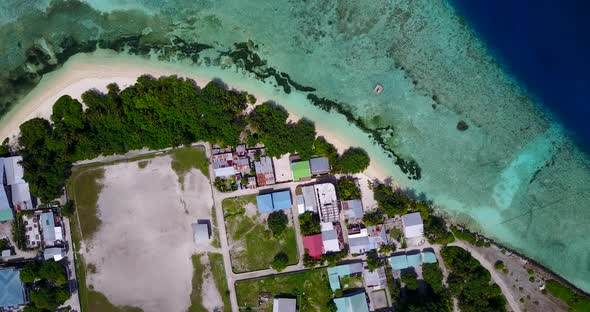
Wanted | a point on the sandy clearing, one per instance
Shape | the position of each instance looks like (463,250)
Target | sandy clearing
(95,71)
(143,248)
(211,297)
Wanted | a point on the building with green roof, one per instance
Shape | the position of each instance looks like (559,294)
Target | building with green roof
(354,303)
(300,170)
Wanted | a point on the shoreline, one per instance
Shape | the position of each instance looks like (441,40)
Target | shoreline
(77,76)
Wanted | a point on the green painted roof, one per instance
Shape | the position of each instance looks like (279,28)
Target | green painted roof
(429,257)
(6,215)
(355,303)
(414,260)
(399,262)
(300,170)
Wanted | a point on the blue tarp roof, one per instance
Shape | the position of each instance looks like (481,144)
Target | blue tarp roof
(282,200)
(264,203)
(399,262)
(11,289)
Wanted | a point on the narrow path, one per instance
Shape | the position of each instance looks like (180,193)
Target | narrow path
(74,301)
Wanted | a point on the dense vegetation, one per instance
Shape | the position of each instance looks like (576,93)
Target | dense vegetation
(346,189)
(48,282)
(576,302)
(470,282)
(280,262)
(159,113)
(277,222)
(309,222)
(397,202)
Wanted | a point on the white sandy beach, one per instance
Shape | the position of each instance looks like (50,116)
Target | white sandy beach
(95,71)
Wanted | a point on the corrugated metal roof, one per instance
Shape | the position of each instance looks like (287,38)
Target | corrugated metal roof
(47,224)
(21,196)
(14,171)
(264,203)
(201,232)
(414,260)
(300,170)
(11,288)
(352,209)
(412,219)
(282,200)
(399,262)
(428,257)
(354,303)
(319,165)
(284,305)
(314,245)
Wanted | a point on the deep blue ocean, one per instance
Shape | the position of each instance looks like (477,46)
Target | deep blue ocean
(545,45)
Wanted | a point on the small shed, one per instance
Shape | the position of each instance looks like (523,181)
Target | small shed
(282,200)
(284,305)
(413,226)
(300,170)
(319,165)
(264,203)
(201,233)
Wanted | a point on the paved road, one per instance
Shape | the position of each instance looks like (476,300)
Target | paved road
(74,301)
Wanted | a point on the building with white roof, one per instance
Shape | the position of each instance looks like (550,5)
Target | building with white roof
(51,234)
(21,197)
(282,167)
(13,170)
(310,202)
(330,237)
(327,202)
(201,233)
(413,226)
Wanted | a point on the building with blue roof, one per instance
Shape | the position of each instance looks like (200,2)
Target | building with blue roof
(399,262)
(264,203)
(282,200)
(11,289)
(47,223)
(274,201)
(428,257)
(414,260)
(354,303)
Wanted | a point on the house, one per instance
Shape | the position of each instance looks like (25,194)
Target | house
(274,201)
(414,260)
(51,234)
(352,303)
(12,293)
(428,257)
(399,262)
(327,202)
(359,243)
(300,200)
(282,167)
(336,272)
(265,175)
(330,237)
(284,305)
(301,170)
(201,232)
(241,164)
(241,150)
(223,165)
(5,211)
(376,279)
(310,202)
(55,253)
(352,210)
(13,170)
(413,226)
(319,166)
(377,236)
(21,197)
(314,245)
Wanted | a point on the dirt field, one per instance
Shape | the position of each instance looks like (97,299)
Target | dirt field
(143,247)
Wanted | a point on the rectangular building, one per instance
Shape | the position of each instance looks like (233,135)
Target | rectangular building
(301,170)
(327,202)
(413,226)
(265,174)
(319,166)
(282,168)
(12,293)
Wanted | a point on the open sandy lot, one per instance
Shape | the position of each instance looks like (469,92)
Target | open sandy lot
(142,250)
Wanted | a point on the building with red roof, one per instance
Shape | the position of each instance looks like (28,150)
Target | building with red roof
(314,245)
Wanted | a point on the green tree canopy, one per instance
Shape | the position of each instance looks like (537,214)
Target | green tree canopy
(353,160)
(347,189)
(309,222)
(54,272)
(29,273)
(410,279)
(280,262)
(277,222)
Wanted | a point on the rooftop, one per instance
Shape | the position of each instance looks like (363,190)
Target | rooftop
(14,171)
(399,262)
(428,257)
(201,232)
(412,219)
(414,260)
(314,245)
(11,288)
(264,203)
(319,165)
(354,303)
(282,200)
(300,170)
(47,224)
(282,169)
(284,305)
(352,209)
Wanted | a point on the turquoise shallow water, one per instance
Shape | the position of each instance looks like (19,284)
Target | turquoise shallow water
(514,174)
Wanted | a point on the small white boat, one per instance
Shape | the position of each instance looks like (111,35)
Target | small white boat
(378,89)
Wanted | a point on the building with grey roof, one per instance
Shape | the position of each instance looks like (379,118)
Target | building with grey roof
(201,233)
(309,199)
(48,228)
(284,305)
(358,245)
(352,209)
(55,253)
(413,226)
(265,174)
(319,166)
